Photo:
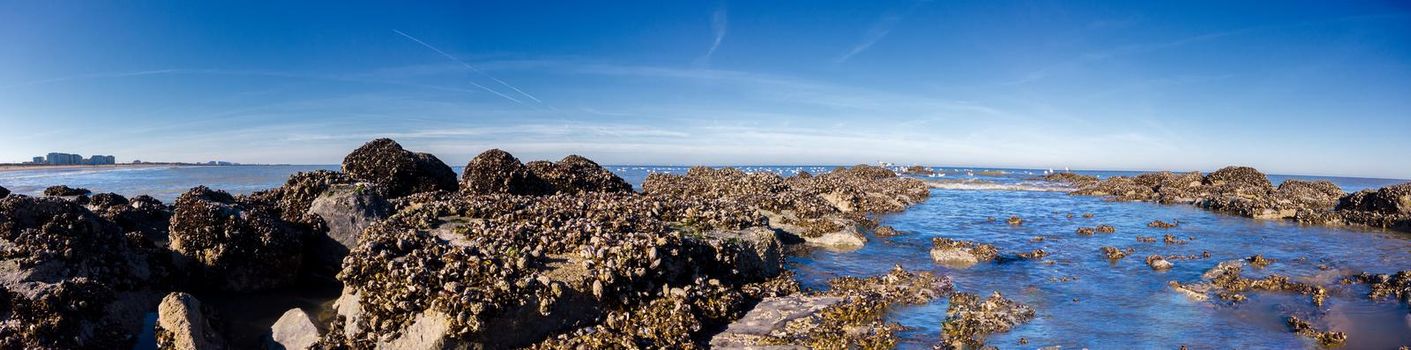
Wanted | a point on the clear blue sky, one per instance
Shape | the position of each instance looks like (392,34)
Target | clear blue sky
(1290,87)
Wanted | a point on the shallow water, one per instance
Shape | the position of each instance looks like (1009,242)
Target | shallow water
(1105,305)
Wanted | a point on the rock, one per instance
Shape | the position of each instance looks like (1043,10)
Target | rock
(833,232)
(295,330)
(4,192)
(383,162)
(886,231)
(969,320)
(1161,224)
(1084,231)
(1074,179)
(1112,253)
(1015,221)
(1387,207)
(918,170)
(182,324)
(574,174)
(347,210)
(235,245)
(495,171)
(769,318)
(1239,177)
(1158,263)
(1322,194)
(960,254)
(1326,339)
(1106,229)
(754,253)
(65,191)
(70,278)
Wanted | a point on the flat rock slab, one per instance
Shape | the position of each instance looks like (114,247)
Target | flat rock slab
(769,316)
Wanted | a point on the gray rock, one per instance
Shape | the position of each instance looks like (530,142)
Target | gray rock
(181,324)
(770,317)
(759,251)
(295,330)
(347,210)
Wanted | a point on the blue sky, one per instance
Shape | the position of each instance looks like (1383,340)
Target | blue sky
(1318,88)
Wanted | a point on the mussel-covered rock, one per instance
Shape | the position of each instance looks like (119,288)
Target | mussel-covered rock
(1074,179)
(383,162)
(960,254)
(1324,338)
(1239,177)
(969,319)
(1387,207)
(346,210)
(70,279)
(574,174)
(234,244)
(65,191)
(182,324)
(496,171)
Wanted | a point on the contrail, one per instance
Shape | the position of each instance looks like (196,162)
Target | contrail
(473,69)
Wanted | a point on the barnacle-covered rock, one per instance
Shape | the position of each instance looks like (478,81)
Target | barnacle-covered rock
(1112,253)
(233,244)
(1397,285)
(1157,262)
(400,172)
(65,191)
(496,171)
(769,318)
(1238,176)
(969,319)
(1228,284)
(182,324)
(574,174)
(1387,207)
(70,279)
(1324,338)
(1074,179)
(142,214)
(960,254)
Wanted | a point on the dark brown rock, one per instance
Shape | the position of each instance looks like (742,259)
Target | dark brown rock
(574,174)
(4,192)
(496,172)
(383,162)
(235,245)
(65,191)
(1238,176)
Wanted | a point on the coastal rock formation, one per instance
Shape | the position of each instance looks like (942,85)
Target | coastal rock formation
(232,244)
(918,170)
(850,315)
(1159,263)
(143,214)
(1247,192)
(71,279)
(1074,179)
(960,254)
(182,324)
(969,319)
(574,174)
(1327,339)
(1397,285)
(65,191)
(4,192)
(495,172)
(383,162)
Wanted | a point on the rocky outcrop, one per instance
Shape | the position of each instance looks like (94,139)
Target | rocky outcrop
(969,319)
(1074,179)
(1326,339)
(4,192)
(497,172)
(71,279)
(182,324)
(575,174)
(65,191)
(234,245)
(849,315)
(1246,192)
(383,162)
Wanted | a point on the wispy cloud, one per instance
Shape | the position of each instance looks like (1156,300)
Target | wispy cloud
(719,25)
(475,70)
(879,30)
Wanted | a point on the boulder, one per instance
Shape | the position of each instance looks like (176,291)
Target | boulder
(753,254)
(234,245)
(295,330)
(400,172)
(71,279)
(1322,194)
(182,325)
(4,192)
(1387,207)
(769,318)
(347,210)
(969,319)
(1238,177)
(574,174)
(960,254)
(496,171)
(65,191)
(833,233)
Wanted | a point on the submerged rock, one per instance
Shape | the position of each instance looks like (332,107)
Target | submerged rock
(1397,285)
(182,324)
(383,162)
(235,245)
(1112,253)
(969,319)
(1158,263)
(1161,224)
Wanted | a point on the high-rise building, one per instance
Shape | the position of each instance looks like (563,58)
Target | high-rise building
(38,160)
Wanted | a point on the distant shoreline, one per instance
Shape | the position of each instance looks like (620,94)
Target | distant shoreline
(22,167)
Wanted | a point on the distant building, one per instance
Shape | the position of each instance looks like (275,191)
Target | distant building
(56,158)
(38,160)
